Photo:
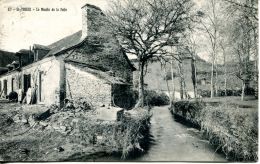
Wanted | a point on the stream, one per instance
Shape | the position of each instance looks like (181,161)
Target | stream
(172,141)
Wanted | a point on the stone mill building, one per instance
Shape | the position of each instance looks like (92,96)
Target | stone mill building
(88,64)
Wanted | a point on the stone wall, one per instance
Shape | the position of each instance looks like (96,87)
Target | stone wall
(81,84)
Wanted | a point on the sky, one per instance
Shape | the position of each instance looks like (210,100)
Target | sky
(21,29)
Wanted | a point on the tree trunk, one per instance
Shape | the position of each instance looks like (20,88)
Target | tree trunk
(243,90)
(216,81)
(211,79)
(181,80)
(140,102)
(194,76)
(225,73)
(183,90)
(169,92)
(173,87)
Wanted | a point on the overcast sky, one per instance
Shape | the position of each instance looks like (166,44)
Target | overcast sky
(19,30)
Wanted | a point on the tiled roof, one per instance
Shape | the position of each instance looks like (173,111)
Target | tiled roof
(64,44)
(70,42)
(41,47)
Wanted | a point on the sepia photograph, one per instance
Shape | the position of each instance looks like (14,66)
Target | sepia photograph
(129,81)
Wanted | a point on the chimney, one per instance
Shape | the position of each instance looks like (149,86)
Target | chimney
(92,17)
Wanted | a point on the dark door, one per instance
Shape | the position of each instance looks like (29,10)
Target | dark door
(5,87)
(12,86)
(26,82)
(40,86)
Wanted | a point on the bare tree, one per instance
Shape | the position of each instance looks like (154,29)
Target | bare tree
(146,28)
(225,66)
(243,38)
(172,77)
(210,24)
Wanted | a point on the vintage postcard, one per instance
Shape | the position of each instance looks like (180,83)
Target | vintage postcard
(127,80)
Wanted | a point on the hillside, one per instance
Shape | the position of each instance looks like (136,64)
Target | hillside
(155,76)
(6,58)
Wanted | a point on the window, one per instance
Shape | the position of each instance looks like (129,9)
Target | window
(27,82)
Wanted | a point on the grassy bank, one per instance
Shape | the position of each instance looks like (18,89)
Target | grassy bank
(231,126)
(39,133)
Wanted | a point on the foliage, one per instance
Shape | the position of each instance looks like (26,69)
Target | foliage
(206,93)
(189,110)
(147,29)
(74,128)
(156,99)
(153,98)
(233,129)
(134,126)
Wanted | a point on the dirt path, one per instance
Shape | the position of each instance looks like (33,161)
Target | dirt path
(175,142)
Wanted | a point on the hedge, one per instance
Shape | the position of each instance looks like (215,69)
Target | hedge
(232,130)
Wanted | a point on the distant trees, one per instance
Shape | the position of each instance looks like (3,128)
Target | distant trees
(232,29)
(243,38)
(147,28)
(210,25)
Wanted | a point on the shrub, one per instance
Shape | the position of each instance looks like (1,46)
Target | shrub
(231,129)
(13,96)
(204,93)
(188,110)
(134,127)
(154,98)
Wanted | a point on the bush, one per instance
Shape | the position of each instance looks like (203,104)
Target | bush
(188,110)
(13,96)
(231,129)
(206,93)
(156,99)
(153,98)
(234,130)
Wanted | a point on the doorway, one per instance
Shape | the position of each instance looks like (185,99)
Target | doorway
(5,87)
(12,85)
(40,87)
(26,82)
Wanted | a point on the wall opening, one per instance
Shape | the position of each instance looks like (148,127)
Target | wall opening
(12,85)
(5,87)
(26,82)
(40,86)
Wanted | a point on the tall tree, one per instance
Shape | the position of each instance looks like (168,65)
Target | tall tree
(225,66)
(210,24)
(146,28)
(243,38)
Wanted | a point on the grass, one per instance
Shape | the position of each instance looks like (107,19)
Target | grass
(229,124)
(249,101)
(80,133)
